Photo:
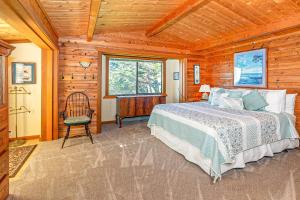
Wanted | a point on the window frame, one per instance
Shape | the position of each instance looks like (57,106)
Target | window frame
(163,90)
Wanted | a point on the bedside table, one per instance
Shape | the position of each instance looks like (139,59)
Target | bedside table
(197,100)
(203,100)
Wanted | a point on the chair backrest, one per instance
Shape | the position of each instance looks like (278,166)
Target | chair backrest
(77,104)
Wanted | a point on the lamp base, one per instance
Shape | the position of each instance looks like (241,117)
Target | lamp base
(205,96)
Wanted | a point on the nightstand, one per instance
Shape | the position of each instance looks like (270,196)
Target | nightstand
(197,100)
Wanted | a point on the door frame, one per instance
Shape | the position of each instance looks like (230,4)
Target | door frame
(35,27)
(49,112)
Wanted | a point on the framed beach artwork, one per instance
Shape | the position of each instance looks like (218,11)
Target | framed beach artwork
(23,73)
(250,68)
(196,74)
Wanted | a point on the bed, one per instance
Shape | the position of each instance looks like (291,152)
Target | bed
(220,139)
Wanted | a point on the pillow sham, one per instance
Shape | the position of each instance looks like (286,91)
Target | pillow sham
(235,94)
(213,90)
(275,100)
(238,91)
(216,97)
(290,103)
(254,101)
(229,102)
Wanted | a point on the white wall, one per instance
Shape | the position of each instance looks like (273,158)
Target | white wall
(172,89)
(28,124)
(172,85)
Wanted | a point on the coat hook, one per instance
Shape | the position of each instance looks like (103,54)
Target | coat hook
(62,76)
(93,76)
(84,75)
(72,76)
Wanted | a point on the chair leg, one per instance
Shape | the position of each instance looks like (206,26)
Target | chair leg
(66,136)
(120,122)
(88,133)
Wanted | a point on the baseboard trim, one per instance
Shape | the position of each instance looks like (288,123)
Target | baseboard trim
(109,122)
(30,137)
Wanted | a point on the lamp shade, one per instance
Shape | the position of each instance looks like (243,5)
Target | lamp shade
(85,64)
(204,88)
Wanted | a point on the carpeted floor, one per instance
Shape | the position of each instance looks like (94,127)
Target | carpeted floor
(130,164)
(17,157)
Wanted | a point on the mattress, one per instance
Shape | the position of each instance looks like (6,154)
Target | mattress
(195,156)
(221,136)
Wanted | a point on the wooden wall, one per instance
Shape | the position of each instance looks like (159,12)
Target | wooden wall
(192,90)
(69,56)
(74,49)
(283,65)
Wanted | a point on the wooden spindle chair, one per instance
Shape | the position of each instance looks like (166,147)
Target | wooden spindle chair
(77,113)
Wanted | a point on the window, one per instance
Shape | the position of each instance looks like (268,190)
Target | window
(128,76)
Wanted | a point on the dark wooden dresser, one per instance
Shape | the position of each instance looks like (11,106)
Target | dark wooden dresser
(136,106)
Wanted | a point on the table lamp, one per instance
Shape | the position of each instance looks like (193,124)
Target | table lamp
(205,89)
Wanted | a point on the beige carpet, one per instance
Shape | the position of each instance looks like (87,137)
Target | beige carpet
(17,157)
(130,164)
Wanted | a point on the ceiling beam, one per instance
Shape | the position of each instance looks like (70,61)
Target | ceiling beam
(29,20)
(94,11)
(259,42)
(251,32)
(181,11)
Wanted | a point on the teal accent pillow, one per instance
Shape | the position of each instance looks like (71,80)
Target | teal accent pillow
(235,94)
(254,101)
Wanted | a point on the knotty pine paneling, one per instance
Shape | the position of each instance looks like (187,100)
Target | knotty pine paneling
(192,90)
(69,57)
(74,49)
(283,66)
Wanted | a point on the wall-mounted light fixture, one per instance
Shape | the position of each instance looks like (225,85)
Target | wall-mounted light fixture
(85,64)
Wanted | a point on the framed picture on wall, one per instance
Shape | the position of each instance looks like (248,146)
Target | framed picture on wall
(175,75)
(196,74)
(23,73)
(250,68)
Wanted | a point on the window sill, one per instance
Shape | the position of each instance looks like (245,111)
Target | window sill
(142,95)
(109,97)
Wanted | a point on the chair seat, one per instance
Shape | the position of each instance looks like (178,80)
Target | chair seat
(77,120)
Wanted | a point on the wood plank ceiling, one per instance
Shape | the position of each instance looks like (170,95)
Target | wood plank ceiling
(68,17)
(8,33)
(195,24)
(132,15)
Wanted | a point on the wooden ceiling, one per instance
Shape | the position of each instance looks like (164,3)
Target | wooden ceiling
(192,24)
(68,17)
(8,33)
(132,15)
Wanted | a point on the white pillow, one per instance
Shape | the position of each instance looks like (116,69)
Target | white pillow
(290,103)
(216,97)
(212,92)
(275,99)
(234,103)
